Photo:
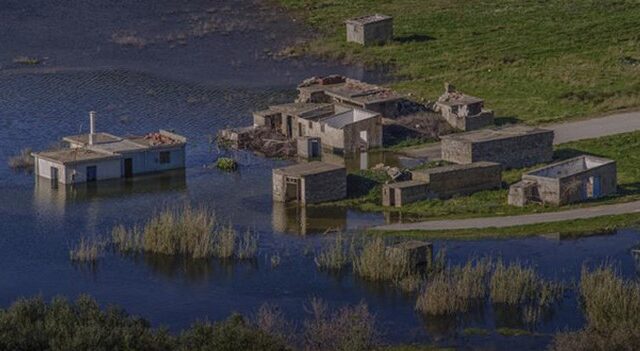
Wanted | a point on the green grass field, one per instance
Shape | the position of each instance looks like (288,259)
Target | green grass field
(623,148)
(533,61)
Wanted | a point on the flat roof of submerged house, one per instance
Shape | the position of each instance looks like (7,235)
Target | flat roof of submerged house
(74,155)
(570,167)
(489,134)
(304,169)
(306,110)
(107,146)
(369,19)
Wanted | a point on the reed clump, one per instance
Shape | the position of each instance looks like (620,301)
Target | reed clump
(334,257)
(455,289)
(611,305)
(23,161)
(516,284)
(187,231)
(87,250)
(374,263)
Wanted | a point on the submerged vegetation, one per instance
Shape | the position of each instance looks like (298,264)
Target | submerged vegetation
(22,161)
(87,250)
(227,164)
(187,231)
(611,305)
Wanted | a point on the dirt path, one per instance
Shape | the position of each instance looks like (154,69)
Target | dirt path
(565,132)
(512,221)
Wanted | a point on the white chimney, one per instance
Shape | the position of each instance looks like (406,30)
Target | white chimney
(92,126)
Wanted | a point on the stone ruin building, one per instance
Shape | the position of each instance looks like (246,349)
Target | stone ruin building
(370,30)
(577,179)
(463,112)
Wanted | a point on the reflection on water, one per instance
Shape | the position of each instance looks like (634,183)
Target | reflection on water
(291,218)
(53,197)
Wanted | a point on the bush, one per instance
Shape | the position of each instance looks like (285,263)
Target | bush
(348,329)
(227,164)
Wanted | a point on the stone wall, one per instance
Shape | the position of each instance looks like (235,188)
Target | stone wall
(456,151)
(467,179)
(323,187)
(403,193)
(370,33)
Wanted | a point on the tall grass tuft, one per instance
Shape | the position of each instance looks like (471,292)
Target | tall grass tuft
(611,305)
(87,250)
(187,231)
(334,257)
(516,284)
(373,262)
(455,289)
(22,161)
(247,245)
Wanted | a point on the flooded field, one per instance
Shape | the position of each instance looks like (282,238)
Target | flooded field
(196,67)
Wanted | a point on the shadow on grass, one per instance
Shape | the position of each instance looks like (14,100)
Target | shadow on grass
(506,120)
(414,38)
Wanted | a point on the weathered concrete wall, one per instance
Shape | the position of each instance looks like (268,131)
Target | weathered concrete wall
(352,134)
(457,151)
(323,187)
(415,253)
(465,179)
(403,193)
(107,169)
(514,151)
(309,147)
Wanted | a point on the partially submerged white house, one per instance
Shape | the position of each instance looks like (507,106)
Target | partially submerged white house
(98,156)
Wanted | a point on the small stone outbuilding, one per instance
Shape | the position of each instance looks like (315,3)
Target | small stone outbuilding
(466,179)
(403,193)
(512,147)
(463,112)
(309,183)
(370,30)
(577,179)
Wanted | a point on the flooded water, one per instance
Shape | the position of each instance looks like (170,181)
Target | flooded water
(196,67)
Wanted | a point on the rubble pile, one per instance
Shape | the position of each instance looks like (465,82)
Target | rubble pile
(263,141)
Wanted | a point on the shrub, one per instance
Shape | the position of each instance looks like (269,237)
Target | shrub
(227,164)
(348,329)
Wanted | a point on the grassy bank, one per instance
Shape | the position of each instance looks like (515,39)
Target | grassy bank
(494,203)
(532,61)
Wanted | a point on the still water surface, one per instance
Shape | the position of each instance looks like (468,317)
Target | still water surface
(197,85)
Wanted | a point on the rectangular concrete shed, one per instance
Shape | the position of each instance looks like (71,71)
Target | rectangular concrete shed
(370,30)
(512,147)
(309,183)
(403,193)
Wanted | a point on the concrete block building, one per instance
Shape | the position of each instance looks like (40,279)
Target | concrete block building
(447,181)
(403,193)
(370,30)
(577,179)
(309,183)
(341,129)
(512,147)
(98,156)
(463,112)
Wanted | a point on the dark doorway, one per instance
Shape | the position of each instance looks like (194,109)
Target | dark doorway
(92,174)
(128,167)
(54,177)
(289,127)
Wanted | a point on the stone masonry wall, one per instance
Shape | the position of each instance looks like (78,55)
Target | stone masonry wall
(323,187)
(515,152)
(448,181)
